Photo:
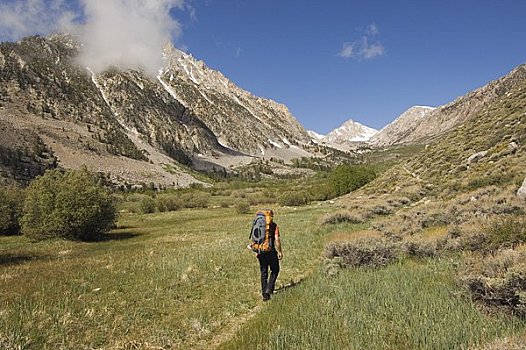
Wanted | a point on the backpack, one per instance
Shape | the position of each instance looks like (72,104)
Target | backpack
(262,240)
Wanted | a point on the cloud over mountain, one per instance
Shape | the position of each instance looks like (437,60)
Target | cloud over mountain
(129,34)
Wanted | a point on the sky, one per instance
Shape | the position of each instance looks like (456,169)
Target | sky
(327,61)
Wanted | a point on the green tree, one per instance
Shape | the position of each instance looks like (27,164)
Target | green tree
(11,205)
(347,178)
(71,205)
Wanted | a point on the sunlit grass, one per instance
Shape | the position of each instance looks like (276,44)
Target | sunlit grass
(167,280)
(404,306)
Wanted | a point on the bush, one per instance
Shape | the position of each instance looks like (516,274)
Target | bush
(195,199)
(168,202)
(148,205)
(366,252)
(72,205)
(498,280)
(242,208)
(506,233)
(11,205)
(293,199)
(341,217)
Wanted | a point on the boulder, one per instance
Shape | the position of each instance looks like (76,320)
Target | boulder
(474,158)
(521,192)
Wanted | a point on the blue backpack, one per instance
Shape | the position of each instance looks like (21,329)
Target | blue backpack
(260,232)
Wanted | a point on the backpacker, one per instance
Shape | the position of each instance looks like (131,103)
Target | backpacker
(262,240)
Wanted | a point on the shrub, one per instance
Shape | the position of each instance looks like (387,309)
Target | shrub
(365,252)
(292,199)
(196,199)
(242,208)
(148,205)
(11,205)
(341,217)
(71,205)
(506,233)
(168,202)
(498,280)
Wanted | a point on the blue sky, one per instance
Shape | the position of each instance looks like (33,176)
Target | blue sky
(403,53)
(328,61)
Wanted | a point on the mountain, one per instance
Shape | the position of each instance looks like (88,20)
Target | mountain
(240,120)
(350,131)
(346,136)
(315,136)
(423,124)
(402,127)
(132,127)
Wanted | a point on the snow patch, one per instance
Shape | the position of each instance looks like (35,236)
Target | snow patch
(275,144)
(170,90)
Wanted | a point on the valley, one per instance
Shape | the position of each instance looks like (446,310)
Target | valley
(410,237)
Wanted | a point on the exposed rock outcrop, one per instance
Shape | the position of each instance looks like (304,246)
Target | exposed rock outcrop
(521,192)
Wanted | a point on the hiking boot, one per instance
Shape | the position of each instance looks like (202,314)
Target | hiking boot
(266,297)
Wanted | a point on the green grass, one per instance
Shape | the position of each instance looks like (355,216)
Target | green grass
(404,306)
(167,280)
(182,279)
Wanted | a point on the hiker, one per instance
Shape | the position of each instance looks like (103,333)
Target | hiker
(266,245)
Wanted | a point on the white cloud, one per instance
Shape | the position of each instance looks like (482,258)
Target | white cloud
(29,17)
(365,48)
(368,51)
(372,30)
(129,34)
(347,50)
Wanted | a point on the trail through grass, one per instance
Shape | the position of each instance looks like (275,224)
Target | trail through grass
(184,280)
(404,306)
(165,280)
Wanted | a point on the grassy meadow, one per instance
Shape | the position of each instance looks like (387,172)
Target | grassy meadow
(165,280)
(184,280)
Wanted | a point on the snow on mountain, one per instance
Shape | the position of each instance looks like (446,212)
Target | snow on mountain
(242,121)
(350,131)
(315,136)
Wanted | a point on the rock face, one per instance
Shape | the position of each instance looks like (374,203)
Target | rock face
(241,120)
(136,128)
(521,192)
(347,136)
(23,155)
(402,127)
(419,124)
(350,131)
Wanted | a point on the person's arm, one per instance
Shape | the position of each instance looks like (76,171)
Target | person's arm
(277,243)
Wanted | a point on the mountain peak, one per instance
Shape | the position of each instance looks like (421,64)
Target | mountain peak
(345,135)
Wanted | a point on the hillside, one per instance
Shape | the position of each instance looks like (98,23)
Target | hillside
(423,124)
(134,128)
(457,198)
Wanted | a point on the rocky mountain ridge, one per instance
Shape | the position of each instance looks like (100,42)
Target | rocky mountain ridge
(402,127)
(350,131)
(260,123)
(346,136)
(132,127)
(419,125)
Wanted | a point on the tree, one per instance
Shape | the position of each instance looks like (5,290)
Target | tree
(71,205)
(11,204)
(347,178)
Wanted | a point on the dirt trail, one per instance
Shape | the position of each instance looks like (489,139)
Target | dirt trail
(235,323)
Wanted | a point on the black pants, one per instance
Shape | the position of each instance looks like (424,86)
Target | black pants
(267,260)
